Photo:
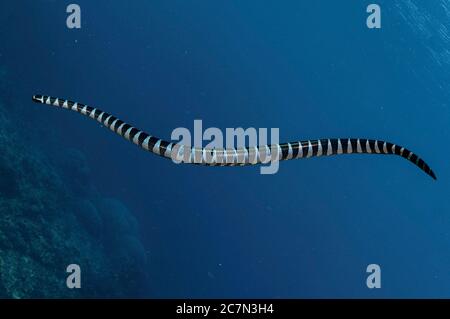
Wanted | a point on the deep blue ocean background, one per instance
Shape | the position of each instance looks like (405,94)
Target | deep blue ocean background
(312,69)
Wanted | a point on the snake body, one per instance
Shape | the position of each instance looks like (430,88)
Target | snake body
(241,156)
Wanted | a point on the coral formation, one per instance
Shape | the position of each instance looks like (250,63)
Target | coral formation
(51,216)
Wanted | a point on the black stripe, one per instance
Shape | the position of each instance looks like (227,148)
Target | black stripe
(304,146)
(389,148)
(372,145)
(79,107)
(133,132)
(97,113)
(163,147)
(104,117)
(324,143)
(124,129)
(151,142)
(334,145)
(315,147)
(70,103)
(363,143)
(405,153)
(88,110)
(344,143)
(110,120)
(421,163)
(354,144)
(117,125)
(413,158)
(142,138)
(380,146)
(295,149)
(284,151)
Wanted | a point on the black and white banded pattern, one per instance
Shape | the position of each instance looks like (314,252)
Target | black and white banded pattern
(241,156)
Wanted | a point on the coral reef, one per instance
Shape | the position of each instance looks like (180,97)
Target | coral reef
(52,216)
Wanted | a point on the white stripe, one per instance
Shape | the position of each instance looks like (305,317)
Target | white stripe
(329,148)
(401,151)
(156,147)
(92,115)
(203,150)
(264,157)
(262,153)
(214,157)
(106,120)
(290,152)
(112,124)
(385,150)
(245,153)
(99,118)
(300,150)
(83,110)
(393,148)
(309,149)
(349,147)
(127,133)
(180,154)
(75,106)
(56,103)
(339,149)
(145,143)
(256,159)
(242,156)
(211,157)
(238,153)
(223,160)
(368,149)
(119,129)
(136,137)
(48,101)
(168,150)
(225,156)
(202,153)
(410,154)
(319,148)
(65,104)
(358,146)
(229,156)
(192,155)
(217,156)
(377,150)
(279,153)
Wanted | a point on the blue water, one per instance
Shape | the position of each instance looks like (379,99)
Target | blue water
(310,68)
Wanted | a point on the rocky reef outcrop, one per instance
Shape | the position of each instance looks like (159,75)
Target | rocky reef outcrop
(52,216)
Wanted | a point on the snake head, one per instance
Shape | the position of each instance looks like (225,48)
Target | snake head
(38,98)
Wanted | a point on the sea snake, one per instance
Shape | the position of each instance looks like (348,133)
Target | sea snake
(241,156)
